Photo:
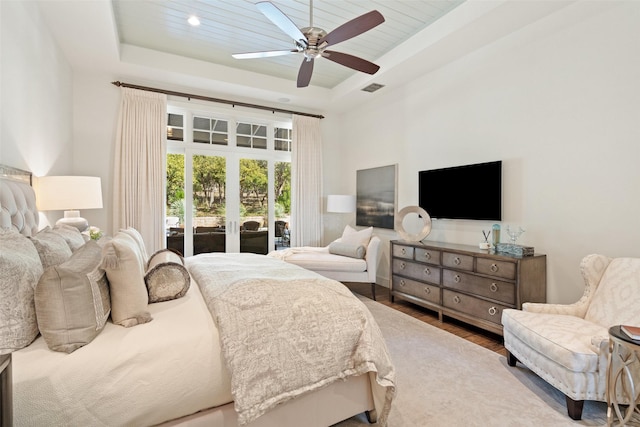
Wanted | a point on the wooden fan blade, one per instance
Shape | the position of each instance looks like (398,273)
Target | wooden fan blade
(351,61)
(353,28)
(282,21)
(304,75)
(265,54)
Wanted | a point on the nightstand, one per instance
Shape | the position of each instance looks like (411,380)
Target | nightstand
(624,360)
(6,400)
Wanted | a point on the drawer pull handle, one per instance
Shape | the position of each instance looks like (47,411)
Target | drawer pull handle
(403,265)
(456,299)
(493,311)
(427,255)
(427,290)
(427,271)
(494,267)
(404,251)
(402,283)
(456,278)
(457,261)
(493,287)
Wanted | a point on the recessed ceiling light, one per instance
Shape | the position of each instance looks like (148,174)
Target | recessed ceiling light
(193,20)
(284,99)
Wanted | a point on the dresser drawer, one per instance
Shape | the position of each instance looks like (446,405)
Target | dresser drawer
(427,255)
(503,269)
(417,289)
(462,262)
(402,251)
(495,289)
(476,307)
(414,270)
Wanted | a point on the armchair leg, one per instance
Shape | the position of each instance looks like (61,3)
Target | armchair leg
(574,408)
(511,359)
(373,290)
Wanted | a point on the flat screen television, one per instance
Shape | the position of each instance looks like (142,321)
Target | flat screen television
(462,192)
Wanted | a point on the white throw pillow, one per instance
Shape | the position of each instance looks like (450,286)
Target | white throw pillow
(351,236)
(124,265)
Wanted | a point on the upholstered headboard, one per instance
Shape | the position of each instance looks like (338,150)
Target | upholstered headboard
(17,201)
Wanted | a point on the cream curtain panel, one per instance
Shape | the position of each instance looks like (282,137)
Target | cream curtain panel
(306,185)
(139,170)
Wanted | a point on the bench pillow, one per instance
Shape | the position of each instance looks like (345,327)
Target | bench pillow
(347,249)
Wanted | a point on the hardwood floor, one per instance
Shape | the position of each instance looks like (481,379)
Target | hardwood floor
(478,336)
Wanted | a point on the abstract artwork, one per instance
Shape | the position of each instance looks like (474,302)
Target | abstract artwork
(376,196)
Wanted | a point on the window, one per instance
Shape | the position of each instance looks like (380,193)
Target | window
(210,131)
(282,139)
(175,127)
(250,135)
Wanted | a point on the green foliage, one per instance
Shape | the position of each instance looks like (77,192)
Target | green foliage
(209,181)
(175,179)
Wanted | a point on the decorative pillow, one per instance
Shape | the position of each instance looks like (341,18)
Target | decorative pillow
(21,268)
(354,237)
(347,249)
(139,240)
(51,247)
(166,277)
(71,235)
(122,260)
(72,300)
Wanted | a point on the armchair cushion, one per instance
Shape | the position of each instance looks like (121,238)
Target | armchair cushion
(565,339)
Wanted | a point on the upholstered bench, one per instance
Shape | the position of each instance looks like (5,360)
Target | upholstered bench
(328,261)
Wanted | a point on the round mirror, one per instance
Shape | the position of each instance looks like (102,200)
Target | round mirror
(413,223)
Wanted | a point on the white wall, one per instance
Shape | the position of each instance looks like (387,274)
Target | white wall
(558,102)
(36,101)
(36,94)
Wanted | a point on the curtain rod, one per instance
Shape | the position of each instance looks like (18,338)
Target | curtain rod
(218,100)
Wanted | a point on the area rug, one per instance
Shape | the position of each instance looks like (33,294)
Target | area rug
(444,380)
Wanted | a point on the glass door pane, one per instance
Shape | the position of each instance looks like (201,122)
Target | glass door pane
(282,208)
(175,203)
(254,206)
(209,203)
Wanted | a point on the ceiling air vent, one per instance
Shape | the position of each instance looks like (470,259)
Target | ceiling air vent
(372,87)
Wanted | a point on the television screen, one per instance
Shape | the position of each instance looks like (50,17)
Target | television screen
(462,192)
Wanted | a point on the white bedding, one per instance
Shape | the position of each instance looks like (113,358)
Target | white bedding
(288,331)
(182,362)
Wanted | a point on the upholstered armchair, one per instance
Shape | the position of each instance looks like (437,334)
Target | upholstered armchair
(568,345)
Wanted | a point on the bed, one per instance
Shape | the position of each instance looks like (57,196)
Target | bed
(195,364)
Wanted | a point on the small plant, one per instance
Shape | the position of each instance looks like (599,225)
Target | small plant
(95,233)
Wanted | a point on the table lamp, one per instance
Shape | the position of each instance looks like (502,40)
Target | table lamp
(69,194)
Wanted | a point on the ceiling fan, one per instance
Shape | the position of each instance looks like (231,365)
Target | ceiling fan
(313,42)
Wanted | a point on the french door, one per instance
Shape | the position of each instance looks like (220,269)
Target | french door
(227,195)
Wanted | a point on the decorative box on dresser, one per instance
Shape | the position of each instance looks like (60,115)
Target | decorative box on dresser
(464,282)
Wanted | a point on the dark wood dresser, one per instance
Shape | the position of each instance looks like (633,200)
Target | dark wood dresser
(464,282)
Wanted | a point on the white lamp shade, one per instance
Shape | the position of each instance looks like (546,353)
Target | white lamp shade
(63,193)
(341,203)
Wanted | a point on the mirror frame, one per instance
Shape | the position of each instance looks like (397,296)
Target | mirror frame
(426,227)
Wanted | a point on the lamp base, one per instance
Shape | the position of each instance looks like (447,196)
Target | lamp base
(73,219)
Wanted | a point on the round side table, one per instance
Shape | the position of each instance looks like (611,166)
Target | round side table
(623,379)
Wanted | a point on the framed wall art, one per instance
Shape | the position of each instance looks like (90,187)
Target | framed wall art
(376,196)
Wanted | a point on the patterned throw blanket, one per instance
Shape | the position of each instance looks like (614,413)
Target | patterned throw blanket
(286,331)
